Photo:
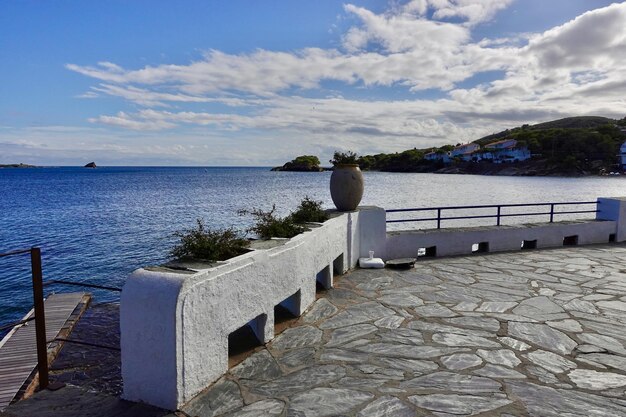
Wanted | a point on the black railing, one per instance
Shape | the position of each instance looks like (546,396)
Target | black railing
(40,320)
(498,215)
(39,314)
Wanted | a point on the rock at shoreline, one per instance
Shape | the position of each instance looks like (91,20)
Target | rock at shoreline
(303,163)
(90,165)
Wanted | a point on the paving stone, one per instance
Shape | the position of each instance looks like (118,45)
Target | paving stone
(375,371)
(405,336)
(606,342)
(387,406)
(497,371)
(542,374)
(349,333)
(297,337)
(300,380)
(538,308)
(407,351)
(613,305)
(342,355)
(514,343)
(434,310)
(460,361)
(401,300)
(358,383)
(548,292)
(321,309)
(390,322)
(567,325)
(589,349)
(550,361)
(261,366)
(415,366)
(448,381)
(359,313)
(261,408)
(297,358)
(442,328)
(484,323)
(223,397)
(581,305)
(499,357)
(451,339)
(454,404)
(543,336)
(594,380)
(496,306)
(465,306)
(322,402)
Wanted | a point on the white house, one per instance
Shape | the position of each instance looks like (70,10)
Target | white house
(505,151)
(464,150)
(622,154)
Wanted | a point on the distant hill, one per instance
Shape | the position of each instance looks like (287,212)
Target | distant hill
(580,122)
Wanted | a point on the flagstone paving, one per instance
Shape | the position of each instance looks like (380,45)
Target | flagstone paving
(539,333)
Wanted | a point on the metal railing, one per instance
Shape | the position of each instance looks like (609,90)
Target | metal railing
(40,319)
(498,215)
(39,313)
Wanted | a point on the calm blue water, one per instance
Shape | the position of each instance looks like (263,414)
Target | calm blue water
(98,225)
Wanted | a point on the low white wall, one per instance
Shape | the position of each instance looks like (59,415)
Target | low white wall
(450,242)
(175,326)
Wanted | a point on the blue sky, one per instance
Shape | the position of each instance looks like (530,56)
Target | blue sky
(258,83)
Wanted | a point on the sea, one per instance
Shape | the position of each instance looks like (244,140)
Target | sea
(98,225)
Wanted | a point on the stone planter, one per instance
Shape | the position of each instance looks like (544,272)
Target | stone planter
(346,186)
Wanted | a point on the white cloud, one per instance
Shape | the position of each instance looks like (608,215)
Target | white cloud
(573,69)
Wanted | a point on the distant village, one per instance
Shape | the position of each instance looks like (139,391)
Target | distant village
(498,152)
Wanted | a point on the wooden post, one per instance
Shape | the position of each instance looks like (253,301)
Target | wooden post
(40,318)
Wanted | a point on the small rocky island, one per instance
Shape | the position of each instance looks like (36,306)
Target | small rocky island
(20,165)
(90,165)
(303,163)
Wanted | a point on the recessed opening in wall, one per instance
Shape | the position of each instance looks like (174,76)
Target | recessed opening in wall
(243,341)
(529,244)
(286,312)
(429,252)
(324,279)
(481,247)
(612,238)
(338,265)
(570,240)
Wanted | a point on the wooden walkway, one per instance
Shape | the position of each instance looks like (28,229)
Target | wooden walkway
(18,352)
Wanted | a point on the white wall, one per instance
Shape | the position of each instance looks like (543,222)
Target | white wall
(175,326)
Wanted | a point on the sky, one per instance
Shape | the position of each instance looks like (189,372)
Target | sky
(257,83)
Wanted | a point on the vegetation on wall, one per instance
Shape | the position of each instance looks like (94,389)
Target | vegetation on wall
(204,244)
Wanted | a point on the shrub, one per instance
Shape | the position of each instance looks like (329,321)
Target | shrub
(340,158)
(205,244)
(268,225)
(309,211)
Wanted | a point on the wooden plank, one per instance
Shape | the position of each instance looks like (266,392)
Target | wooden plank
(18,352)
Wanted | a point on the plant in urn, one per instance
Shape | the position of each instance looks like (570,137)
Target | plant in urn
(346,181)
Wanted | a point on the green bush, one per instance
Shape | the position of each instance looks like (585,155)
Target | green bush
(268,225)
(340,158)
(205,244)
(309,211)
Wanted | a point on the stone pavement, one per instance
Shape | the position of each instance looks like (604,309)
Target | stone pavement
(536,333)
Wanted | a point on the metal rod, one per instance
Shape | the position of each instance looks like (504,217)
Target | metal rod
(16,323)
(14,252)
(492,206)
(438,218)
(40,318)
(80,342)
(498,219)
(81,284)
(551,213)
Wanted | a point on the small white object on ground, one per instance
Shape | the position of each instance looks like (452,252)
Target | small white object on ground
(371,263)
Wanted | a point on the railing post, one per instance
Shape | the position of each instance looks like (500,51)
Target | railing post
(438,218)
(40,318)
(552,213)
(498,217)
